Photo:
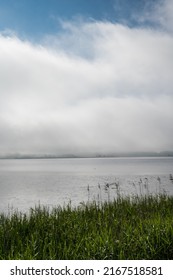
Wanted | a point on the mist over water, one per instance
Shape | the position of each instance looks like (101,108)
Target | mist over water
(50,182)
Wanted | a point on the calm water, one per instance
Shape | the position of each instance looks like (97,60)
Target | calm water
(27,182)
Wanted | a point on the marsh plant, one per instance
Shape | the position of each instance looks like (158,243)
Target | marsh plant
(136,227)
(171,178)
(114,190)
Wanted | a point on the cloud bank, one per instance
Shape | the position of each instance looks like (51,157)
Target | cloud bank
(96,87)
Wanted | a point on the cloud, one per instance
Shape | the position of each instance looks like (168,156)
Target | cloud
(96,87)
(163,13)
(158,13)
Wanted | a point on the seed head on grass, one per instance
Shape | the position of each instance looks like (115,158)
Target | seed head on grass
(88,191)
(171,177)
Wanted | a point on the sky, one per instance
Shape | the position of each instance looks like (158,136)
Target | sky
(86,76)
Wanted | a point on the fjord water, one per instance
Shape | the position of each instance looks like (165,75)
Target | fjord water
(25,183)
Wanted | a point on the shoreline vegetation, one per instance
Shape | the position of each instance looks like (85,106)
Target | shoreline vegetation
(127,228)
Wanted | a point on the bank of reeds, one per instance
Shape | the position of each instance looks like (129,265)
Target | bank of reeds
(126,228)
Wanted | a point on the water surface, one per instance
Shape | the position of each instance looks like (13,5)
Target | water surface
(25,183)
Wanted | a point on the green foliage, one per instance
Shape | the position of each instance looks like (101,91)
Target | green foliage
(127,228)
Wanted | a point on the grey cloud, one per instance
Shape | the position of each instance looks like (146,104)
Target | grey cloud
(56,99)
(158,13)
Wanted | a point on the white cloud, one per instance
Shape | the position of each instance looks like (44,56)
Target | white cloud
(99,87)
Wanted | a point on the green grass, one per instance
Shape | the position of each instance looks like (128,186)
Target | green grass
(127,228)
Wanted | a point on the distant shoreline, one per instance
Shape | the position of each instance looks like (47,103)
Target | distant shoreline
(69,156)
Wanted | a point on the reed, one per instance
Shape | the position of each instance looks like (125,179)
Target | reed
(139,227)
